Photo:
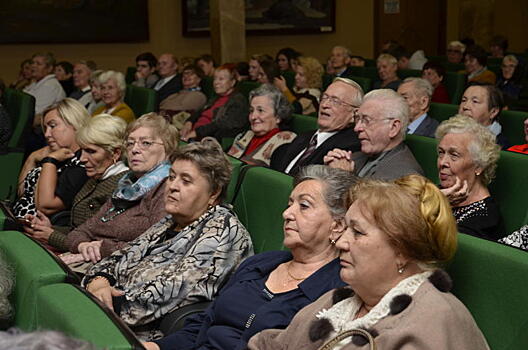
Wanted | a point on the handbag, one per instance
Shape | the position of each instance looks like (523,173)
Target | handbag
(333,342)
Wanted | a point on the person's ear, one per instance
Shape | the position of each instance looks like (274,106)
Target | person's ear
(494,112)
(213,199)
(395,128)
(337,228)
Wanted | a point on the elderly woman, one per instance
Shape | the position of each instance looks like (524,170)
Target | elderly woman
(434,73)
(475,62)
(186,256)
(52,176)
(467,158)
(113,88)
(397,234)
(96,102)
(100,141)
(268,110)
(313,221)
(387,71)
(308,82)
(455,52)
(225,115)
(484,103)
(509,82)
(189,99)
(137,203)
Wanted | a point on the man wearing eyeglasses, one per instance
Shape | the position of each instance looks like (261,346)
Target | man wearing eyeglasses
(381,123)
(336,111)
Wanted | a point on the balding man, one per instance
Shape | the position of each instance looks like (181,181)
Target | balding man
(340,61)
(82,72)
(336,112)
(170,81)
(380,124)
(417,93)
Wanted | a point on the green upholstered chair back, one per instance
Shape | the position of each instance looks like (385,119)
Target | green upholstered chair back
(130,75)
(442,111)
(140,99)
(245,87)
(327,80)
(11,165)
(302,123)
(207,87)
(365,83)
(34,267)
(454,67)
(424,150)
(21,108)
(455,84)
(236,166)
(71,310)
(406,73)
(510,189)
(289,76)
(513,126)
(259,203)
(490,279)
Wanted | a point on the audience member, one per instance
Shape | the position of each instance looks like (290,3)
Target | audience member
(522,148)
(113,88)
(184,62)
(191,98)
(398,234)
(269,70)
(406,60)
(254,65)
(435,73)
(146,64)
(25,75)
(64,73)
(357,61)
(137,203)
(96,93)
(51,177)
(269,109)
(225,115)
(387,73)
(290,279)
(100,140)
(184,258)
(170,81)
(334,120)
(455,52)
(308,83)
(509,82)
(242,69)
(286,59)
(45,87)
(467,159)
(5,122)
(206,64)
(380,124)
(498,46)
(475,61)
(339,61)
(82,72)
(484,103)
(417,93)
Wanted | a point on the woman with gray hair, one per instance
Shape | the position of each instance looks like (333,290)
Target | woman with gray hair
(113,88)
(185,257)
(268,289)
(269,110)
(467,159)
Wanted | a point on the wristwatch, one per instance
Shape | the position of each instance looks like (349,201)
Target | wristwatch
(50,160)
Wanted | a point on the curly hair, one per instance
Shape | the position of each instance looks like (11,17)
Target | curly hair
(313,70)
(483,147)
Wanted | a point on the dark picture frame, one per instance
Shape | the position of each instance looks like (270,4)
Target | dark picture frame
(266,17)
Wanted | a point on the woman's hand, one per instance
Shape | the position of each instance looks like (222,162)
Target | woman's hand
(38,226)
(39,219)
(40,154)
(150,345)
(340,159)
(71,258)
(102,290)
(62,154)
(91,251)
(457,193)
(280,83)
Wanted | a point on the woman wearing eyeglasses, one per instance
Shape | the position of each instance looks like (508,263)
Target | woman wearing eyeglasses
(137,203)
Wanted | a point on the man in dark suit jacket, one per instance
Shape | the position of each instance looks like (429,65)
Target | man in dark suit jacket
(336,112)
(417,92)
(380,123)
(170,81)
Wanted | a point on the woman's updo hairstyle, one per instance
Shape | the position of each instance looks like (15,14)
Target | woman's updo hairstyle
(413,213)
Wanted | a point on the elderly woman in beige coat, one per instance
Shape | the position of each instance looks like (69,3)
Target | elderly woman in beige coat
(397,232)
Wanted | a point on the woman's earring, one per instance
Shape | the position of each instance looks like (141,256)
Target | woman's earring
(401,269)
(332,241)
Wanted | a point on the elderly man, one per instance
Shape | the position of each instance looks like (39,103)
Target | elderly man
(336,112)
(46,88)
(417,93)
(340,60)
(170,81)
(380,123)
(82,72)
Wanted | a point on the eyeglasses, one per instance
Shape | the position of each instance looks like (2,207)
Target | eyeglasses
(336,102)
(453,51)
(142,144)
(367,121)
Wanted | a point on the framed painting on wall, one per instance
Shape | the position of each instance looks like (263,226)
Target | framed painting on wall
(267,17)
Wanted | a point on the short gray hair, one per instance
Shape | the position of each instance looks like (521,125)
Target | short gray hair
(392,106)
(336,183)
(457,44)
(118,77)
(15,339)
(511,58)
(281,107)
(388,58)
(48,57)
(346,50)
(96,74)
(483,147)
(358,99)
(422,87)
(160,126)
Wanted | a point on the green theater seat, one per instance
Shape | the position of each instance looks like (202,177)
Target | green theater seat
(442,111)
(71,310)
(261,199)
(21,108)
(207,87)
(513,126)
(365,83)
(455,84)
(141,100)
(303,123)
(424,150)
(130,75)
(289,76)
(406,73)
(11,165)
(245,87)
(236,166)
(490,279)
